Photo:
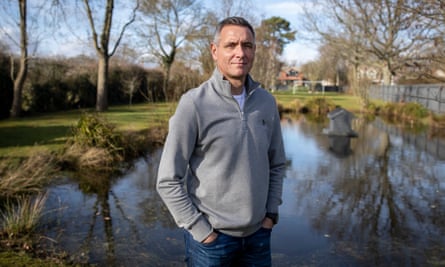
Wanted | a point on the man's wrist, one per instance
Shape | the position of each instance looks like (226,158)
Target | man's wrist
(273,217)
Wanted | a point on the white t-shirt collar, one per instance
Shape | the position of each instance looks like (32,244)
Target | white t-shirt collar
(241,98)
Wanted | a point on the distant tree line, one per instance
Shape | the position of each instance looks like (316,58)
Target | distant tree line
(64,84)
(173,35)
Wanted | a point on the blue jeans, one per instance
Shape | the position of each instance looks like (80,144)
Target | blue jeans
(253,250)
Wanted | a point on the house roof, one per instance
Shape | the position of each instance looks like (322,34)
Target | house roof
(290,74)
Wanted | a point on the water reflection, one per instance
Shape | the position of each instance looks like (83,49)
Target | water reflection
(340,145)
(380,206)
(375,200)
(122,222)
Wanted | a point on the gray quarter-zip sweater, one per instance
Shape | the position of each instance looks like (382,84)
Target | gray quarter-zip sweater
(222,168)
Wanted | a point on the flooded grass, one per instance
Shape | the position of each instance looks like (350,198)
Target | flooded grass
(26,176)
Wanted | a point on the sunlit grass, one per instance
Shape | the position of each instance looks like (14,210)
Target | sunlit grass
(346,101)
(24,136)
(141,116)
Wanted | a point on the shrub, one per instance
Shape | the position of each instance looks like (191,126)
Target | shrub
(95,144)
(389,109)
(413,111)
(404,111)
(92,130)
(319,106)
(372,108)
(21,216)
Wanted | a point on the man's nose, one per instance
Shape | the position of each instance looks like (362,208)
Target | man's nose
(240,51)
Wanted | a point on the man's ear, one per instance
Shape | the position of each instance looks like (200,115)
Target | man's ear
(213,49)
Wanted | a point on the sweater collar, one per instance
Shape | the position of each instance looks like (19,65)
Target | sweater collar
(223,86)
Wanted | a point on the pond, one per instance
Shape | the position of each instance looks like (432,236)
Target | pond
(374,200)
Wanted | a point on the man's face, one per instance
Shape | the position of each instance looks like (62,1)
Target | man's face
(235,52)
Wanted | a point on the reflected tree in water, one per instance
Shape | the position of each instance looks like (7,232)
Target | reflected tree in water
(99,184)
(368,199)
(154,210)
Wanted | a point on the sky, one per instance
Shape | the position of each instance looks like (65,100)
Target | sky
(297,52)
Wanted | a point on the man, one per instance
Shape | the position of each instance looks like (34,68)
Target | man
(222,168)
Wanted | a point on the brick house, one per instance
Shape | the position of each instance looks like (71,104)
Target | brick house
(289,77)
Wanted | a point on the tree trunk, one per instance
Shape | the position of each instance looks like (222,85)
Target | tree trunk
(18,87)
(102,88)
(353,80)
(387,76)
(166,80)
(19,81)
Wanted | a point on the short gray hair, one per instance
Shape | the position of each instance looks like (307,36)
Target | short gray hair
(239,21)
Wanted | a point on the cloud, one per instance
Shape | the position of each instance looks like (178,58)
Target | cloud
(284,8)
(299,53)
(68,47)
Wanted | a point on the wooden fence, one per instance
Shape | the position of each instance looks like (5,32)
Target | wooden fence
(431,96)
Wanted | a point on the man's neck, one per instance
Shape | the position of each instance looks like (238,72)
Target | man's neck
(237,86)
(236,90)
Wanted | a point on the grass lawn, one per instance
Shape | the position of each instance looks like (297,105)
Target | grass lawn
(347,101)
(23,136)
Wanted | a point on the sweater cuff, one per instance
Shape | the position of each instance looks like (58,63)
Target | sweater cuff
(201,229)
(273,217)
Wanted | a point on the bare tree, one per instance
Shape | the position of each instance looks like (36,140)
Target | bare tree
(101,44)
(28,36)
(170,24)
(19,80)
(312,71)
(240,8)
(202,44)
(332,65)
(272,36)
(430,61)
(380,30)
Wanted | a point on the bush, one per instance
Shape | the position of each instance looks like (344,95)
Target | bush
(372,108)
(404,111)
(93,130)
(413,111)
(390,110)
(81,93)
(6,86)
(319,106)
(95,144)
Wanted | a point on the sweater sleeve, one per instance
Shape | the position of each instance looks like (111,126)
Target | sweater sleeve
(173,166)
(277,161)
